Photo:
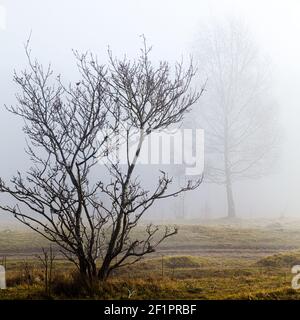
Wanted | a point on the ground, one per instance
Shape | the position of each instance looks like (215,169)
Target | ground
(220,259)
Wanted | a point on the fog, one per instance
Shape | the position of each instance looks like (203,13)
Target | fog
(172,28)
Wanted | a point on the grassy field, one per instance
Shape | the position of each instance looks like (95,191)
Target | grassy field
(207,260)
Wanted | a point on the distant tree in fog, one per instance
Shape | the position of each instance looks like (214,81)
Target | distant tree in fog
(237,112)
(69,129)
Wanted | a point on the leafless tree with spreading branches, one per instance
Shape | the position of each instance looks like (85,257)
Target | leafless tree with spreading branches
(70,129)
(238,113)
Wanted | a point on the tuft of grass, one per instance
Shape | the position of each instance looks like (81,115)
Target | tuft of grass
(184,262)
(280,260)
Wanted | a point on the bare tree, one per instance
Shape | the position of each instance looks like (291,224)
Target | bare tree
(69,129)
(237,113)
(149,100)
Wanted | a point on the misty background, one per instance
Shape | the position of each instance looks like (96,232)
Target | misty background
(172,27)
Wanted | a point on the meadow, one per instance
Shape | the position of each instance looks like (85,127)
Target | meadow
(207,260)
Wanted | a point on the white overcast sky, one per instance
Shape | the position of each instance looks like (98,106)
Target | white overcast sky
(171,26)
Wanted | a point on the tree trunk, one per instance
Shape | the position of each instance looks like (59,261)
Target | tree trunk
(87,269)
(230,201)
(83,267)
(103,272)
